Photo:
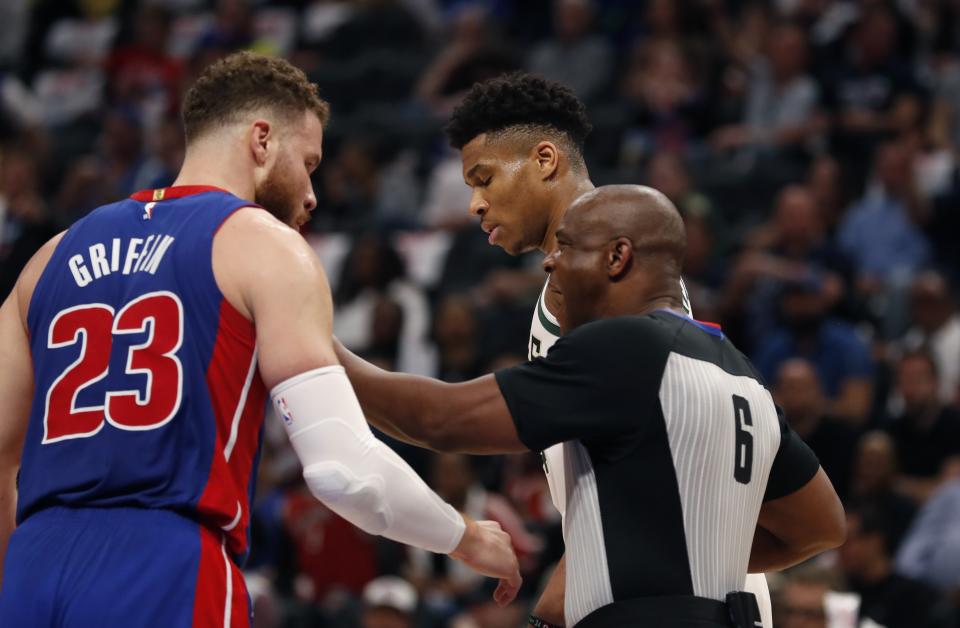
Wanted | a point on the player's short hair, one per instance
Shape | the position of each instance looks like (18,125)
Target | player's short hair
(245,82)
(524,103)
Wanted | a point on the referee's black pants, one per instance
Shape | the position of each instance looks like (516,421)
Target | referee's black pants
(679,611)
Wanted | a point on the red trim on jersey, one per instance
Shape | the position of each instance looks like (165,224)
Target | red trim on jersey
(239,605)
(177,191)
(211,587)
(714,325)
(228,481)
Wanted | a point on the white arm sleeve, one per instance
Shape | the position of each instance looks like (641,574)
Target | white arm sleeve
(352,472)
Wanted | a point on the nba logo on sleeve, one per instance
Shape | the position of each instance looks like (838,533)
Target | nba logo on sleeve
(284,411)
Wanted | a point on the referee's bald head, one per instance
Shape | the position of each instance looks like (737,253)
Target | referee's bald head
(620,250)
(642,214)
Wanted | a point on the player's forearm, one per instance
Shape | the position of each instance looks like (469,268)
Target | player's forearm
(398,404)
(550,605)
(770,553)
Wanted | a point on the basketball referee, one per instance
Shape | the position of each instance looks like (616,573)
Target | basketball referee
(680,475)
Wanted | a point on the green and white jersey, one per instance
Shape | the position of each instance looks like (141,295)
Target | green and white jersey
(544,331)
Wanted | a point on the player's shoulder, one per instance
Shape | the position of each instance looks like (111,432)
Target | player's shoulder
(254,235)
(254,253)
(630,337)
(30,275)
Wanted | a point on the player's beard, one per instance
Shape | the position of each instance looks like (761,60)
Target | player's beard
(277,194)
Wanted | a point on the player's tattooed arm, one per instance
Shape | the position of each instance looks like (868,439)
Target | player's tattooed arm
(469,417)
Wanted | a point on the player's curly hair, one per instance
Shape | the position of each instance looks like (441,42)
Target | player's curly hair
(519,100)
(245,82)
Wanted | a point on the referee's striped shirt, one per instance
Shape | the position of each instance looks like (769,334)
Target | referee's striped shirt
(671,444)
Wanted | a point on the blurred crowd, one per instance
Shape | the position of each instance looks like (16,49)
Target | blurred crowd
(811,145)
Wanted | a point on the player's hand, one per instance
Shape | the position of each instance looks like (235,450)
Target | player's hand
(488,550)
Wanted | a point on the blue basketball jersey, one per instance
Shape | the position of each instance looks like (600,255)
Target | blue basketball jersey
(147,390)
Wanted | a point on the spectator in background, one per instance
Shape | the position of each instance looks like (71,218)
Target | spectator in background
(799,393)
(874,483)
(931,551)
(351,183)
(792,248)
(662,104)
(25,224)
(457,339)
(389,602)
(232,27)
(14,27)
(704,266)
(802,601)
(880,232)
(936,328)
(142,74)
(369,185)
(882,236)
(122,157)
(166,149)
(373,271)
(781,104)
(926,432)
(474,52)
(19,109)
(872,92)
(69,86)
(839,356)
(452,477)
(574,56)
(385,332)
(320,538)
(668,173)
(888,598)
(825,182)
(447,198)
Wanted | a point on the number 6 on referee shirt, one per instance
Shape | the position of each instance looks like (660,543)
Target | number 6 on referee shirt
(743,444)
(94,325)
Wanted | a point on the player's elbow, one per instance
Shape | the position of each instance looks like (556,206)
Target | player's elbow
(835,533)
(833,520)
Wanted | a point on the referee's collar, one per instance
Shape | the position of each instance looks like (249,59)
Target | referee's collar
(711,328)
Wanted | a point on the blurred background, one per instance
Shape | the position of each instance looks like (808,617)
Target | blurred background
(811,145)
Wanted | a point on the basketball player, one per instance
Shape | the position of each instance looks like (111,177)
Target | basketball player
(138,349)
(521,140)
(680,475)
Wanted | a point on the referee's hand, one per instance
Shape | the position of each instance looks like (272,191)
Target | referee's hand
(488,550)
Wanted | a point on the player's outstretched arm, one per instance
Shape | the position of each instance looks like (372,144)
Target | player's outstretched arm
(798,526)
(469,417)
(16,387)
(271,275)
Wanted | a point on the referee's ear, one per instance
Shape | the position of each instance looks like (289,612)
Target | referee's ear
(619,258)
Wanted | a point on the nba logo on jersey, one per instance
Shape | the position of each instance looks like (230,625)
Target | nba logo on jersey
(148,210)
(284,411)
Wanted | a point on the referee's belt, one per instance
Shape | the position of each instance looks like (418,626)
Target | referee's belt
(677,611)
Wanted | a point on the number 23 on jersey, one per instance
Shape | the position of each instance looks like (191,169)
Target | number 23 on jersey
(159,315)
